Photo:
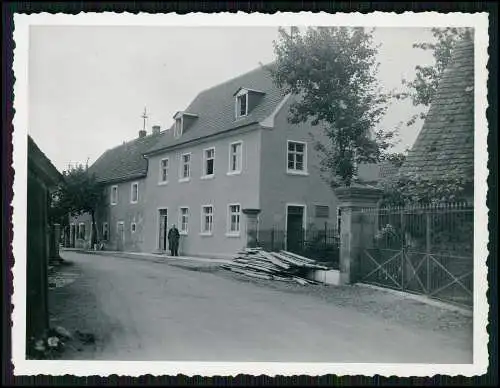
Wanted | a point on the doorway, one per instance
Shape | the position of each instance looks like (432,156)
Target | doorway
(162,229)
(72,234)
(120,235)
(295,228)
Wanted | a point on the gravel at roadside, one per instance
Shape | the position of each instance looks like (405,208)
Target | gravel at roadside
(389,306)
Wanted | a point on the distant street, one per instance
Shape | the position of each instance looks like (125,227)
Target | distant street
(142,310)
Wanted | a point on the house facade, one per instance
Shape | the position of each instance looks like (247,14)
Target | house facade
(230,169)
(120,217)
(236,154)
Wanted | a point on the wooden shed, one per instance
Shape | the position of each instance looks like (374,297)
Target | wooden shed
(43,177)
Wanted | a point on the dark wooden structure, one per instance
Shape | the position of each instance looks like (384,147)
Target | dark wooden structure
(42,178)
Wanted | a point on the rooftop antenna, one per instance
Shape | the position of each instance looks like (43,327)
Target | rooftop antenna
(144,117)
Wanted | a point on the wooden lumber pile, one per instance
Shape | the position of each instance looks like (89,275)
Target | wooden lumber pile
(282,266)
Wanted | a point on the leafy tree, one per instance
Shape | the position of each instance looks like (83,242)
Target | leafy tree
(80,194)
(415,189)
(423,87)
(332,73)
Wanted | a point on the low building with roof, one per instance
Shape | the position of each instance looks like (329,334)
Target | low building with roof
(43,179)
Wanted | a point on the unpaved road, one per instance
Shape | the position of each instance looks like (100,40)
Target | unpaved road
(142,310)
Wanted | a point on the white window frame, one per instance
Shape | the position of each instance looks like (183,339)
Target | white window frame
(182,178)
(204,175)
(240,164)
(203,232)
(184,231)
(80,224)
(237,110)
(132,192)
(133,227)
(160,177)
(294,171)
(107,230)
(115,201)
(229,232)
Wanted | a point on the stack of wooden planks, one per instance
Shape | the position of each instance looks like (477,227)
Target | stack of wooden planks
(283,265)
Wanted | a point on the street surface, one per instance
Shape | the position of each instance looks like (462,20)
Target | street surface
(141,310)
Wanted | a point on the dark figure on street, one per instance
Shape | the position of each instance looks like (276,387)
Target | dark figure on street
(173,240)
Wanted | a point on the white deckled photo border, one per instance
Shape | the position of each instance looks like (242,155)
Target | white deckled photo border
(22,366)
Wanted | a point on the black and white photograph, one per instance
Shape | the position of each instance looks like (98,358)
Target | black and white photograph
(302,194)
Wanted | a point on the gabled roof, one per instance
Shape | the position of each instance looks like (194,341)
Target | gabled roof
(42,166)
(215,108)
(124,162)
(446,141)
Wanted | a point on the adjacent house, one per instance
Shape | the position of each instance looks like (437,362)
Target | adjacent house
(120,218)
(446,142)
(43,178)
(229,169)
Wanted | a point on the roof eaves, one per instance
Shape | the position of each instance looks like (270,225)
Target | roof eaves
(122,178)
(196,140)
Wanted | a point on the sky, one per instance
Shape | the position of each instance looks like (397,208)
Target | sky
(88,85)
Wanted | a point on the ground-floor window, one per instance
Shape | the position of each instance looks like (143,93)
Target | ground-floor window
(207,219)
(133,227)
(234,218)
(184,219)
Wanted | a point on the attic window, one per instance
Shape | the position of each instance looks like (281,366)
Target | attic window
(242,105)
(178,128)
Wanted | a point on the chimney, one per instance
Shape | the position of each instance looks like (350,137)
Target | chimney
(142,133)
(155,129)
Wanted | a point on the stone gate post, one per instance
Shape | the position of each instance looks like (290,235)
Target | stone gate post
(251,226)
(355,230)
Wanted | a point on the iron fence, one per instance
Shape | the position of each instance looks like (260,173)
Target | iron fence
(318,244)
(421,249)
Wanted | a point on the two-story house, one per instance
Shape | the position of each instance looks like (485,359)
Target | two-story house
(230,164)
(230,152)
(120,218)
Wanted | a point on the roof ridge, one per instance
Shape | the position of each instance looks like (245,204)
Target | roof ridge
(255,69)
(134,140)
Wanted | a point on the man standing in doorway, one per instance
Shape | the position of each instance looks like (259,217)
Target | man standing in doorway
(173,240)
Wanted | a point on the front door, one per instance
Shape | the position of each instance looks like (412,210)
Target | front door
(72,236)
(295,228)
(163,229)
(120,236)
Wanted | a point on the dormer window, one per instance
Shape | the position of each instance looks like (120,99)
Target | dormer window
(246,100)
(242,105)
(178,128)
(183,120)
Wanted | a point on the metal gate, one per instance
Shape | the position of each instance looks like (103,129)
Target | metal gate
(422,250)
